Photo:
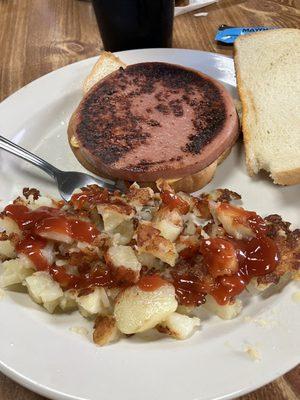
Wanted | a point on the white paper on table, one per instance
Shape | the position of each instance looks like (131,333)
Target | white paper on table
(192,6)
(201,14)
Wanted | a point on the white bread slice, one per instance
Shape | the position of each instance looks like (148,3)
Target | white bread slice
(268,77)
(106,64)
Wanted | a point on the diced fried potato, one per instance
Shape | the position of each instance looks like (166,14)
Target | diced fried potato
(185,241)
(179,326)
(233,219)
(123,233)
(56,236)
(186,310)
(223,195)
(105,330)
(254,287)
(187,198)
(163,185)
(44,290)
(105,300)
(220,256)
(190,228)
(192,222)
(112,219)
(165,251)
(14,272)
(27,263)
(68,302)
(169,223)
(7,250)
(147,213)
(228,311)
(112,293)
(124,256)
(50,306)
(137,310)
(120,257)
(42,201)
(142,230)
(48,253)
(9,226)
(82,247)
(200,208)
(150,261)
(149,241)
(113,215)
(172,216)
(93,303)
(213,230)
(139,197)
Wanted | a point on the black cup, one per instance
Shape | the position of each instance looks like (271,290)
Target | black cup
(134,24)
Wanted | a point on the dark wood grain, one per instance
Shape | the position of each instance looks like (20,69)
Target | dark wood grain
(39,36)
(198,32)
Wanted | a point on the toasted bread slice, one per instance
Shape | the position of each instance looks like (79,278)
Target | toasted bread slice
(106,64)
(268,76)
(194,182)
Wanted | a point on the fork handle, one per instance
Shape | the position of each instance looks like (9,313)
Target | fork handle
(18,151)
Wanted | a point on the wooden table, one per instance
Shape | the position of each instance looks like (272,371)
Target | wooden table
(38,36)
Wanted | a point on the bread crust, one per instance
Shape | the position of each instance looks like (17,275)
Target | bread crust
(104,56)
(288,177)
(245,111)
(192,183)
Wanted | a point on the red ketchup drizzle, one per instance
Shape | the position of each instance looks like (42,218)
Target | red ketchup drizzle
(203,207)
(25,218)
(85,281)
(32,247)
(189,252)
(190,280)
(219,255)
(74,228)
(149,283)
(256,256)
(47,219)
(42,220)
(172,201)
(90,278)
(190,290)
(90,196)
(246,218)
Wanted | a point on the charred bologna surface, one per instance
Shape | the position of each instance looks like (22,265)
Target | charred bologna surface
(154,120)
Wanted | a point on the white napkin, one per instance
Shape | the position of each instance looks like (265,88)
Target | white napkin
(192,6)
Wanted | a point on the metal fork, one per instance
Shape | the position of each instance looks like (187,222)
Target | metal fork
(66,181)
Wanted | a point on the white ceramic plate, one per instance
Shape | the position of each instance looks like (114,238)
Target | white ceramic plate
(39,351)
